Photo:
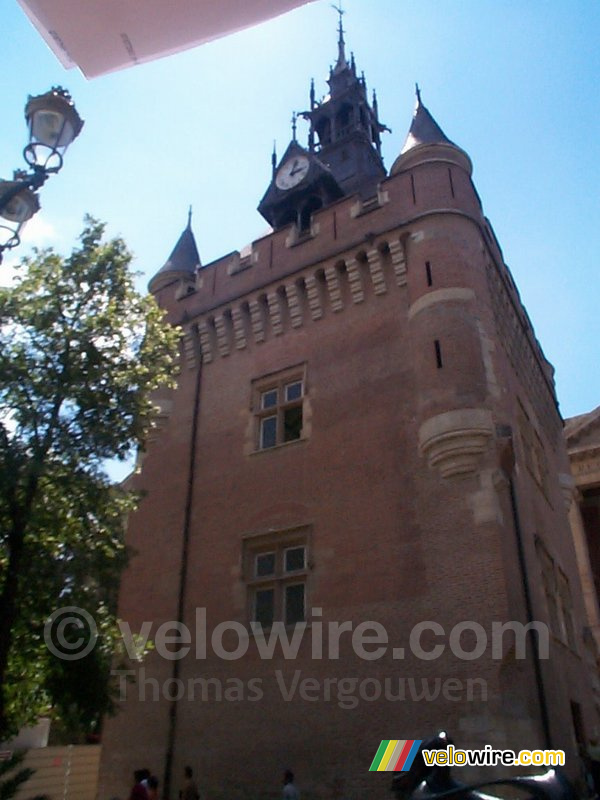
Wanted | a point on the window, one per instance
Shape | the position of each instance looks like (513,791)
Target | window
(276,568)
(566,610)
(279,408)
(558,598)
(534,453)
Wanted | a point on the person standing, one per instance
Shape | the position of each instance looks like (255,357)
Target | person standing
(290,792)
(189,790)
(152,787)
(139,791)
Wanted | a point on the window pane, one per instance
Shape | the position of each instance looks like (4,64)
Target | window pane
(293,391)
(264,565)
(294,604)
(268,399)
(292,423)
(294,559)
(264,607)
(268,432)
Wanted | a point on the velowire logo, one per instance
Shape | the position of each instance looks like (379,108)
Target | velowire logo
(395,755)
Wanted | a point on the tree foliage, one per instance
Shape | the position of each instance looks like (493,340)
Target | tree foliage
(80,354)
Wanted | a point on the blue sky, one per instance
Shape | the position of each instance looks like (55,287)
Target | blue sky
(516,84)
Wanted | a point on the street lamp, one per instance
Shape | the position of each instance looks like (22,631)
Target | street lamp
(53,124)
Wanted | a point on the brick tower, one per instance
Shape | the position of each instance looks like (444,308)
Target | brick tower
(363,454)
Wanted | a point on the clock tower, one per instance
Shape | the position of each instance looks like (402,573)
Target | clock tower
(364,435)
(343,155)
(345,130)
(301,185)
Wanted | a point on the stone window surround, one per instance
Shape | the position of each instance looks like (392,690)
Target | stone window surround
(278,380)
(277,542)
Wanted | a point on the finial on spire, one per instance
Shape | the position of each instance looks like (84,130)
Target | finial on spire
(294,126)
(274,156)
(190,218)
(341,62)
(418,93)
(312,93)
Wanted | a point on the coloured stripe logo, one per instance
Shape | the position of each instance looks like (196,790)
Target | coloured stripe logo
(395,755)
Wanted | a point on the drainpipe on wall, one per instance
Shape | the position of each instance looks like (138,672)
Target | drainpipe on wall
(168,772)
(507,461)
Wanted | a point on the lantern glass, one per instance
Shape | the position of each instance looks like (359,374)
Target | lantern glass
(51,129)
(53,119)
(18,207)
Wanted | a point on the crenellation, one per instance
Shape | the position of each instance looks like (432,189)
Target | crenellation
(205,343)
(375,268)
(521,354)
(275,313)
(239,333)
(256,319)
(314,297)
(398,254)
(354,276)
(189,339)
(293,298)
(222,337)
(333,286)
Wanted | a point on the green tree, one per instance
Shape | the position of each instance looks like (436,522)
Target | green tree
(80,354)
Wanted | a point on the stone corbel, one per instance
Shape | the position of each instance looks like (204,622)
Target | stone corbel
(453,442)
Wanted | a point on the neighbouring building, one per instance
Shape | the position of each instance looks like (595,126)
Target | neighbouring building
(364,448)
(582,434)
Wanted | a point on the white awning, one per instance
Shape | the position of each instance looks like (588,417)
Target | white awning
(101,36)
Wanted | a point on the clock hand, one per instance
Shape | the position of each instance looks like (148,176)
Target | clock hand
(296,168)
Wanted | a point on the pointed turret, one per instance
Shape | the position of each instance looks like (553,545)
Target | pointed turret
(183,262)
(424,138)
(423,129)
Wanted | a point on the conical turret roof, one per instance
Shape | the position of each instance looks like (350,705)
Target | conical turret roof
(426,140)
(183,261)
(423,129)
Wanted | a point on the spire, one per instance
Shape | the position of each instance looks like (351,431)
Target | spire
(341,59)
(183,261)
(294,126)
(344,128)
(426,141)
(274,157)
(423,129)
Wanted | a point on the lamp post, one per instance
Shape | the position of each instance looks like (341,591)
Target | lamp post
(53,124)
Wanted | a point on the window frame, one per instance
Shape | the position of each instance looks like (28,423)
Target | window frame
(559,601)
(279,383)
(279,543)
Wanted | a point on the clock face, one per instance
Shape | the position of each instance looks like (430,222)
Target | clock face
(292,172)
